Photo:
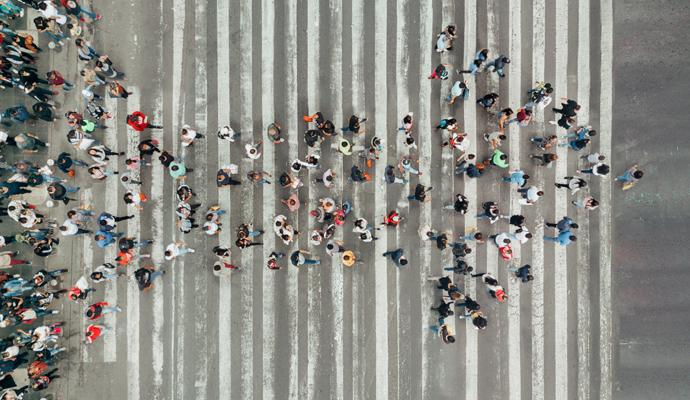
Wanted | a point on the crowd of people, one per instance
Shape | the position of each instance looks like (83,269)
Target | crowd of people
(32,181)
(576,139)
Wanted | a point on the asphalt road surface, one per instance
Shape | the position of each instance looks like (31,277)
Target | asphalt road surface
(330,332)
(650,257)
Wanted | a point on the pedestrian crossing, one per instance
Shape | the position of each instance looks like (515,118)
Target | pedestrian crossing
(329,331)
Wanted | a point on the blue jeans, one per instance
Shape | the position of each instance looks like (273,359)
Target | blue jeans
(254,234)
(551,239)
(91,14)
(155,274)
(625,178)
(71,189)
(308,261)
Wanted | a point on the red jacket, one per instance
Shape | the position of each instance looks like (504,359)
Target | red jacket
(138,121)
(92,333)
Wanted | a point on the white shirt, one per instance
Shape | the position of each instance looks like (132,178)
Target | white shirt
(72,228)
(187,135)
(361,222)
(211,228)
(19,206)
(52,12)
(30,218)
(136,199)
(521,235)
(593,158)
(252,151)
(531,194)
(500,239)
(174,250)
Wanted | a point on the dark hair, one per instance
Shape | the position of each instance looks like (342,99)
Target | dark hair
(403,261)
(574,225)
(502,137)
(638,174)
(573,238)
(592,132)
(528,235)
(525,176)
(450,339)
(540,193)
(503,157)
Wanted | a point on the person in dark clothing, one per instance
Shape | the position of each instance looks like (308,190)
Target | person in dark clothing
(568,109)
(8,189)
(420,193)
(488,100)
(166,159)
(499,64)
(148,147)
(397,257)
(59,192)
(65,162)
(354,124)
(517,220)
(443,309)
(461,249)
(460,267)
(523,273)
(469,304)
(460,205)
(546,158)
(44,111)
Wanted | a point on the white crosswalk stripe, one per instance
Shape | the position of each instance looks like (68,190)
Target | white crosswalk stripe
(328,331)
(133,231)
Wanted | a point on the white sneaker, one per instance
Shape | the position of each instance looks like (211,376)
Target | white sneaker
(192,250)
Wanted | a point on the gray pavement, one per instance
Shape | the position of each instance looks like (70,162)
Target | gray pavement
(330,332)
(650,259)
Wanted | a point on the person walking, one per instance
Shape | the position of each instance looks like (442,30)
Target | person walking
(517,177)
(498,65)
(397,257)
(460,205)
(522,273)
(568,109)
(630,177)
(420,194)
(499,159)
(564,238)
(566,223)
(440,72)
(546,159)
(175,250)
(479,58)
(297,258)
(530,195)
(588,203)
(139,122)
(97,310)
(574,184)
